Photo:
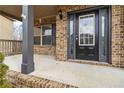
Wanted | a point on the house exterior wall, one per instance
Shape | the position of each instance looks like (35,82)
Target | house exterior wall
(6,28)
(118,36)
(6,36)
(117,30)
(44,50)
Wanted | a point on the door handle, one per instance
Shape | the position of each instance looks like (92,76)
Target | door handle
(76,37)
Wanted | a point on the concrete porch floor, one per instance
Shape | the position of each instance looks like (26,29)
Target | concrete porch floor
(81,75)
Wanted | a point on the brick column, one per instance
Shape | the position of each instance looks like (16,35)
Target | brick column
(118,36)
(61,37)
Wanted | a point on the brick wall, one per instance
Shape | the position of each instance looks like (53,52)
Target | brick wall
(117,33)
(44,49)
(118,36)
(19,80)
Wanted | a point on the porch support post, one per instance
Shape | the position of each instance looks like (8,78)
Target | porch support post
(27,50)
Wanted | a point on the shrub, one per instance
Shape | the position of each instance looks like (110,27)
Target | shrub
(4,83)
(1,57)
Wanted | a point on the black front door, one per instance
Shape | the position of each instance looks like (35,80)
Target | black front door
(87,36)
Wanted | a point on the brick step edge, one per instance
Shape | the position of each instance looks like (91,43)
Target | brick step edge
(20,80)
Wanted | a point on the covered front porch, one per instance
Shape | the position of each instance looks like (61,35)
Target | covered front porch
(30,60)
(79,75)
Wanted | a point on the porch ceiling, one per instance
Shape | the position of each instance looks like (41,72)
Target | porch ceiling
(15,11)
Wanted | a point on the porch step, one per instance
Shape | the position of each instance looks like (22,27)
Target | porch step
(20,80)
(90,62)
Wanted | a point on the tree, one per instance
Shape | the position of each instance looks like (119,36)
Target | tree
(17,30)
(4,83)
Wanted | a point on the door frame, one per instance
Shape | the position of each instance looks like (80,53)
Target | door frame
(96,45)
(74,27)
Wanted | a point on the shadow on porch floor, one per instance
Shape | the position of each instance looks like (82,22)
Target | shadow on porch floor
(81,75)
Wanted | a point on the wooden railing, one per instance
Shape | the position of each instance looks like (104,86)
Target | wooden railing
(10,47)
